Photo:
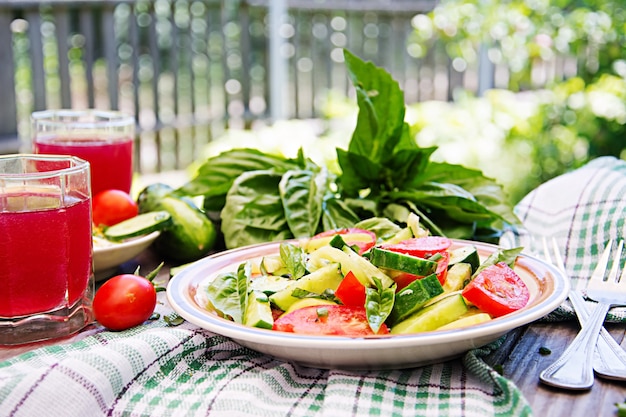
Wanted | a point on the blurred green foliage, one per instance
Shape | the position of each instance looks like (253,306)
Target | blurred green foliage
(526,138)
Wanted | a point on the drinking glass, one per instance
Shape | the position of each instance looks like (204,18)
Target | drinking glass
(104,138)
(46,270)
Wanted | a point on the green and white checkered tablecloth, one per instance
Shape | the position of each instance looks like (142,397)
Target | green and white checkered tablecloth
(158,370)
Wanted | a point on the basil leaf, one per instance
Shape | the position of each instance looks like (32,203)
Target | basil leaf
(485,190)
(382,227)
(253,212)
(380,120)
(336,214)
(228,292)
(302,194)
(378,304)
(294,260)
(216,175)
(507,256)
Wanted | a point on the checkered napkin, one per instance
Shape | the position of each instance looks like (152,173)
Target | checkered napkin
(582,210)
(158,370)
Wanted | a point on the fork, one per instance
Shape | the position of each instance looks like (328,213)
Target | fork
(574,369)
(609,359)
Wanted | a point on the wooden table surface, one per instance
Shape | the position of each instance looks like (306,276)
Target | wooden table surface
(519,357)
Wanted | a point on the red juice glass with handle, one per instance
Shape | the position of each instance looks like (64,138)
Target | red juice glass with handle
(103,138)
(46,267)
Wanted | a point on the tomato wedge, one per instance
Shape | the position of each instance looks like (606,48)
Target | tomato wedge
(497,290)
(361,238)
(422,247)
(337,320)
(350,291)
(404,279)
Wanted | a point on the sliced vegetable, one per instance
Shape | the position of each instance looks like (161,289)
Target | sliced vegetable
(414,296)
(325,278)
(351,292)
(433,317)
(403,279)
(497,290)
(457,275)
(309,302)
(383,258)
(258,311)
(338,320)
(422,247)
(363,239)
(351,261)
(142,224)
(465,254)
(467,320)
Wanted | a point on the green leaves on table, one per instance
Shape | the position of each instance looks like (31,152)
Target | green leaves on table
(262,197)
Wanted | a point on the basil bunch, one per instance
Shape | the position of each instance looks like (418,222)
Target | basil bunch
(384,173)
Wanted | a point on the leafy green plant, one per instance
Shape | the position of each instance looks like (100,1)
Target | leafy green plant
(521,34)
(383,172)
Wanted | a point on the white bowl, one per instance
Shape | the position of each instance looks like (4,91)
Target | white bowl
(547,285)
(108,257)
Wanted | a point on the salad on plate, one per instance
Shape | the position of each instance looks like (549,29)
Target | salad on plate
(375,278)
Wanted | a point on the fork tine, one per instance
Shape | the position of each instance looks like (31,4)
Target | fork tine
(598,273)
(612,278)
(546,251)
(557,255)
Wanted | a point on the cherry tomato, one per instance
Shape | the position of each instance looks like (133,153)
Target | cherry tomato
(124,301)
(497,290)
(422,247)
(113,206)
(338,320)
(350,291)
(363,239)
(403,279)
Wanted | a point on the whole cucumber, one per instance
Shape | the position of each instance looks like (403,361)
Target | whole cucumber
(191,235)
(149,199)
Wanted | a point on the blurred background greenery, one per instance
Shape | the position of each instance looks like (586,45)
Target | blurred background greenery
(556,96)
(519,134)
(529,128)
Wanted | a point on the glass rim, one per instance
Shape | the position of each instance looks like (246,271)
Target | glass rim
(77,166)
(110,118)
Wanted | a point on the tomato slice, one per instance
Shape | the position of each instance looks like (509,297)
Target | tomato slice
(497,290)
(403,279)
(337,320)
(361,238)
(350,291)
(422,247)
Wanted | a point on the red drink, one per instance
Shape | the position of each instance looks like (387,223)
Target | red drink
(111,160)
(61,240)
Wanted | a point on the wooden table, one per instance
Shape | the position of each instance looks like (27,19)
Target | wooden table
(519,357)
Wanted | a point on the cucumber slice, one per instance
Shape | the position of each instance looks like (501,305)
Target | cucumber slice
(258,311)
(465,254)
(468,320)
(139,225)
(383,258)
(328,277)
(413,297)
(350,261)
(433,317)
(456,277)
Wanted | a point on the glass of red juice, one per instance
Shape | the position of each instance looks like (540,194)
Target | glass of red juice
(46,267)
(103,138)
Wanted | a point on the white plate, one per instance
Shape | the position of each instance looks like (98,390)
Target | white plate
(107,258)
(547,285)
